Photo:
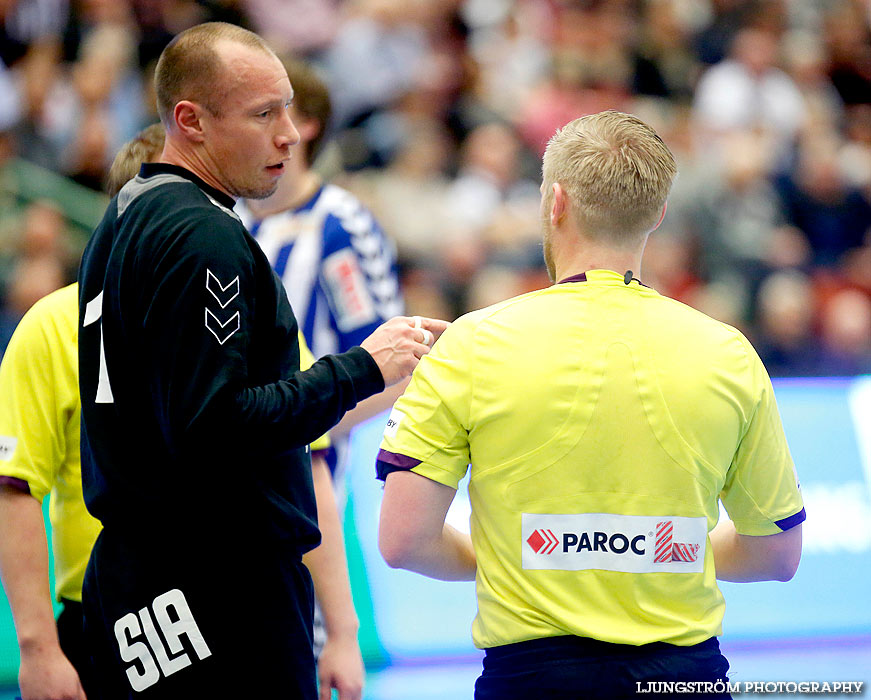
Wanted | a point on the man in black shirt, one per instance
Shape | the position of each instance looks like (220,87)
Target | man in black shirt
(195,416)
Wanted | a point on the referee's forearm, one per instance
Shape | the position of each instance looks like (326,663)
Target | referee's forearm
(448,556)
(743,558)
(24,569)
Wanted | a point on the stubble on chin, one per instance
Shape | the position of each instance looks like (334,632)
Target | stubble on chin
(251,192)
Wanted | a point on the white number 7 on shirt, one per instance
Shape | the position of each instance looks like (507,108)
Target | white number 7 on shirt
(93,313)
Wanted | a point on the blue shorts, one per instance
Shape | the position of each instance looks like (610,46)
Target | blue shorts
(572,668)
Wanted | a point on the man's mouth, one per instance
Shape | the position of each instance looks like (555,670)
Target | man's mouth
(276,169)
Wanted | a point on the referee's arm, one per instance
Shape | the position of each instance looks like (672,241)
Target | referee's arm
(413,533)
(745,558)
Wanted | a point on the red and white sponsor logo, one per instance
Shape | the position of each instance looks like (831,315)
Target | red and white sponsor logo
(667,550)
(610,542)
(346,284)
(543,541)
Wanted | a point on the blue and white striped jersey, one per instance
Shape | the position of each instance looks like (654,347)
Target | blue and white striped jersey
(337,265)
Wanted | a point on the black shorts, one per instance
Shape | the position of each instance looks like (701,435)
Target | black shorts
(574,668)
(70,632)
(223,620)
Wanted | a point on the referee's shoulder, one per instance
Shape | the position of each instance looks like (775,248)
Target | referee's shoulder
(688,321)
(475,319)
(59,303)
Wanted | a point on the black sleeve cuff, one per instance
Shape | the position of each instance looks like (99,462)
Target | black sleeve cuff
(368,379)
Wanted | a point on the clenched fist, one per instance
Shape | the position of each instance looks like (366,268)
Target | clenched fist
(397,345)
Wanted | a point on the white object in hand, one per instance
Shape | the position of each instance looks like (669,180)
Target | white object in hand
(427,336)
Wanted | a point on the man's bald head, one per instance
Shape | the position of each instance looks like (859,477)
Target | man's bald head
(191,67)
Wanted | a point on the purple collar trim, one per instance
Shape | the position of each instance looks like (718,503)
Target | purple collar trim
(575,278)
(582,277)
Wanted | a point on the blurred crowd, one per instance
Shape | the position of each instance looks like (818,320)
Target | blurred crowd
(442,109)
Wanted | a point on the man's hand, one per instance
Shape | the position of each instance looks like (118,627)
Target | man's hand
(46,674)
(340,666)
(397,345)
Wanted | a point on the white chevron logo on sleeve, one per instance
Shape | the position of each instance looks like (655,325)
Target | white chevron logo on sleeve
(223,293)
(222,331)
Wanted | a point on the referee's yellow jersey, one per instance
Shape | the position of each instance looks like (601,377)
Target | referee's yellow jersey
(40,416)
(39,427)
(603,422)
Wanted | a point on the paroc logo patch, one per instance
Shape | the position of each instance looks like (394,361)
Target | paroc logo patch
(630,543)
(666,550)
(543,542)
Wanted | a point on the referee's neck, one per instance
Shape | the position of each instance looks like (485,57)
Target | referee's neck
(582,254)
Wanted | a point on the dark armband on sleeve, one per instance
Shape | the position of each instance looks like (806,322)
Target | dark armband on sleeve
(791,521)
(389,462)
(15,484)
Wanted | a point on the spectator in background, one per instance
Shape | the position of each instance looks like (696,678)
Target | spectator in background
(408,196)
(10,105)
(737,216)
(510,57)
(748,92)
(712,42)
(30,280)
(101,108)
(89,16)
(489,181)
(374,59)
(665,43)
(806,63)
(36,76)
(846,334)
(786,312)
(818,199)
(592,70)
(300,27)
(855,154)
(846,32)
(34,261)
(26,25)
(489,175)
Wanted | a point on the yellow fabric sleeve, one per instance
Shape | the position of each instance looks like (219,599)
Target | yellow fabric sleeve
(306,360)
(762,486)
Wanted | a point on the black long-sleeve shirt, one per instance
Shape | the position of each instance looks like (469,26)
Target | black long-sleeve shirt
(193,406)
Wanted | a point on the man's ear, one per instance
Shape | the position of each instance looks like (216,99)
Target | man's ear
(187,116)
(661,217)
(559,204)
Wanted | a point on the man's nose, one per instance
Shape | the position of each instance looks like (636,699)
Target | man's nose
(287,134)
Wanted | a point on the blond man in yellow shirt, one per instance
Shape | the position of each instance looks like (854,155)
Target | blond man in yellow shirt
(603,424)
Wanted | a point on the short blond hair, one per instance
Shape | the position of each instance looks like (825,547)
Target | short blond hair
(145,147)
(190,67)
(616,171)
